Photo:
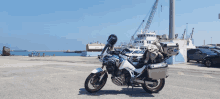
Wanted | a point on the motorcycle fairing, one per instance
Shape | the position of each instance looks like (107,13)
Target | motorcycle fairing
(126,65)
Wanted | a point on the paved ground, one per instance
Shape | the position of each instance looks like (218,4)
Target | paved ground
(63,78)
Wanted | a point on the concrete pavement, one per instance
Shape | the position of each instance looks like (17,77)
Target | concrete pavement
(196,66)
(64,77)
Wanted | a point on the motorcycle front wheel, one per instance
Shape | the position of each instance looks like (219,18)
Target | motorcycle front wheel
(154,88)
(95,82)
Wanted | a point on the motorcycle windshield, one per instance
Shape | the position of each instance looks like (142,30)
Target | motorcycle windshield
(110,43)
(104,49)
(112,39)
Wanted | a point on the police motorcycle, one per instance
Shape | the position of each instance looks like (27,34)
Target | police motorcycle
(150,76)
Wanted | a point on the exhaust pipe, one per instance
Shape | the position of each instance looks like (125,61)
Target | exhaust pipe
(142,82)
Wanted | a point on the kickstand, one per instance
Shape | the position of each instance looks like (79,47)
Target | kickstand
(132,88)
(127,87)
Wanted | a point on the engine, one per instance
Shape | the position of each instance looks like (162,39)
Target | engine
(119,77)
(122,78)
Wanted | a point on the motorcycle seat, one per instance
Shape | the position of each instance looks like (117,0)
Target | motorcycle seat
(137,66)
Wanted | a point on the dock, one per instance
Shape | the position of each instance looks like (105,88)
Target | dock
(74,51)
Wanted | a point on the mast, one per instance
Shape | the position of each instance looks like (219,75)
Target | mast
(172,20)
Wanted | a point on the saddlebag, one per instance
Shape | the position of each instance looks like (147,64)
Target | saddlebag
(157,71)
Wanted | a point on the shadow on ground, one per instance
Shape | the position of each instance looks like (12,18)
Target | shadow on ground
(137,92)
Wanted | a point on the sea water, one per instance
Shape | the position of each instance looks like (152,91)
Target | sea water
(46,53)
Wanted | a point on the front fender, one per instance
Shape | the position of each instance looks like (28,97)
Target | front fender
(100,71)
(97,70)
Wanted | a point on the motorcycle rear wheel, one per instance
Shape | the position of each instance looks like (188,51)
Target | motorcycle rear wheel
(98,85)
(154,88)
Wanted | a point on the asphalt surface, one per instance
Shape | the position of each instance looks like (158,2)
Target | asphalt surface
(55,78)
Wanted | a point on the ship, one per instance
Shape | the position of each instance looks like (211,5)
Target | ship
(93,49)
(143,40)
(68,51)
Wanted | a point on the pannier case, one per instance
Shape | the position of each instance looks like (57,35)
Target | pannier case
(157,71)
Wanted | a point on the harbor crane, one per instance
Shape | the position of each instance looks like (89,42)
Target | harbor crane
(148,22)
(151,17)
(189,37)
(132,38)
(183,34)
(191,34)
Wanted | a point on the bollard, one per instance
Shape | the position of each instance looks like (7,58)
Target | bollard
(53,54)
(43,54)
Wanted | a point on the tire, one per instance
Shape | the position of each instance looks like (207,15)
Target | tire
(197,61)
(208,63)
(187,60)
(158,87)
(101,83)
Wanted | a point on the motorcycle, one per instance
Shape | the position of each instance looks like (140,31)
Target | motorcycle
(150,76)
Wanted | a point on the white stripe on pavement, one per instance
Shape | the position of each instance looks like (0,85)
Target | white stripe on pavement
(194,89)
(65,69)
(208,76)
(180,73)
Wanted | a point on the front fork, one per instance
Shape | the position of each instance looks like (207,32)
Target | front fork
(102,66)
(100,72)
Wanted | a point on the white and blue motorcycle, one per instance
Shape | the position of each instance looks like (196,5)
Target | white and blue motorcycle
(150,76)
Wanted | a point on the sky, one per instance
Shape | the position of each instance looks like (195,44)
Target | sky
(71,24)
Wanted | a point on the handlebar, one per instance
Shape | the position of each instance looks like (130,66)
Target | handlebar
(117,53)
(125,55)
